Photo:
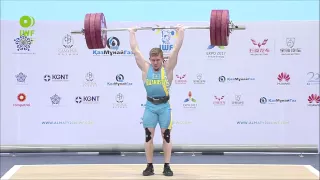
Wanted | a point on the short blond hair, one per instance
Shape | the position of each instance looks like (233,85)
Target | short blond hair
(156,52)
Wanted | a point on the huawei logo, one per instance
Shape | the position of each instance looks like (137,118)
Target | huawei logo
(283,76)
(314,98)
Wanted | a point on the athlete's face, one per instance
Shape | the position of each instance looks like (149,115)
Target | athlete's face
(156,61)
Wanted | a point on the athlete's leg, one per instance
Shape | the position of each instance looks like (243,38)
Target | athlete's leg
(165,122)
(150,120)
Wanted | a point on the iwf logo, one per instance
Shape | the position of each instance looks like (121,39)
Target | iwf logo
(166,39)
(314,100)
(283,79)
(260,48)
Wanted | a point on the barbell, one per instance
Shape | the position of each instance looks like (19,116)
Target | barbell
(95,29)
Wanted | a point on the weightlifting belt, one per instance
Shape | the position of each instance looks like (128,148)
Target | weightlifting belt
(158,100)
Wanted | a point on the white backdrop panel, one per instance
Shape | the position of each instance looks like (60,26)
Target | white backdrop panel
(73,96)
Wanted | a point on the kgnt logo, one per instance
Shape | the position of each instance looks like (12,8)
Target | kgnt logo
(22,97)
(199,79)
(190,102)
(67,46)
(260,48)
(55,100)
(166,36)
(264,100)
(290,50)
(119,81)
(181,79)
(23,45)
(314,100)
(215,52)
(113,44)
(283,79)
(87,99)
(56,77)
(314,78)
(233,79)
(237,101)
(119,101)
(21,79)
(89,80)
(219,100)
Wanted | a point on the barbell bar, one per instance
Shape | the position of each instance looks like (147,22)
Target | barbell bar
(95,29)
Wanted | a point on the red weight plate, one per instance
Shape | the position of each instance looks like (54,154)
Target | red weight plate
(101,37)
(218,24)
(87,31)
(93,30)
(225,28)
(212,27)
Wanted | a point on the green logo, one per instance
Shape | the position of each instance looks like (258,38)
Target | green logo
(27,21)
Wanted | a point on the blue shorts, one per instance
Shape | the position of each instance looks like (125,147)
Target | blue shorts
(154,114)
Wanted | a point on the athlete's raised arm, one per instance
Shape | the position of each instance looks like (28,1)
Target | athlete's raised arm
(173,57)
(141,62)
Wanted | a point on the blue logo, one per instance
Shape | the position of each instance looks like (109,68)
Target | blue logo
(23,43)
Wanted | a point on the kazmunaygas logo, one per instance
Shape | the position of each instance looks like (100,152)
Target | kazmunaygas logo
(262,122)
(215,52)
(233,79)
(113,45)
(264,100)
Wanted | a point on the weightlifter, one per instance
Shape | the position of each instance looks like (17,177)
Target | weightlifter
(157,78)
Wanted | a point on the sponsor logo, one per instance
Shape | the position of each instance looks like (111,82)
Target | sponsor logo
(87,99)
(27,23)
(21,78)
(181,79)
(119,81)
(21,98)
(260,48)
(283,79)
(199,79)
(119,101)
(56,77)
(89,80)
(215,52)
(23,45)
(190,102)
(166,37)
(264,100)
(262,122)
(67,122)
(55,100)
(314,78)
(290,50)
(237,101)
(219,100)
(314,100)
(234,79)
(113,45)
(67,46)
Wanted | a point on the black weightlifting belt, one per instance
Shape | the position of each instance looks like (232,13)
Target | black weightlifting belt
(158,100)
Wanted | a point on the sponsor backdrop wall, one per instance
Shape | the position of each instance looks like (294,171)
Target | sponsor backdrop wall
(261,89)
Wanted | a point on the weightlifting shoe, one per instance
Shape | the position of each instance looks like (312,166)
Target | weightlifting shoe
(149,171)
(167,171)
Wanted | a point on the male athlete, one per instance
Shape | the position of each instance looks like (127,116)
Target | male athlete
(157,78)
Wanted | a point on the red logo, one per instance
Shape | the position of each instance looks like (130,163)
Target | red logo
(283,76)
(258,44)
(314,98)
(21,97)
(181,77)
(259,50)
(219,99)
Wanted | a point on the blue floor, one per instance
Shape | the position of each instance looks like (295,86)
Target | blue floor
(8,161)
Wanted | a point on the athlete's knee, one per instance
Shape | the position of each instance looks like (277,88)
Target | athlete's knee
(167,135)
(149,135)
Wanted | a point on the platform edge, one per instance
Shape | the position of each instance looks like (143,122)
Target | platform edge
(11,172)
